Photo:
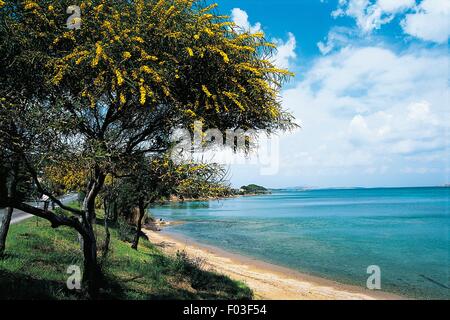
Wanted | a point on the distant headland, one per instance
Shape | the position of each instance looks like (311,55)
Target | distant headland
(252,189)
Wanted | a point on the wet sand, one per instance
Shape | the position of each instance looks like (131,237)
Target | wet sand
(268,281)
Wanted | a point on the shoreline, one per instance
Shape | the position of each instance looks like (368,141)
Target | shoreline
(233,196)
(268,281)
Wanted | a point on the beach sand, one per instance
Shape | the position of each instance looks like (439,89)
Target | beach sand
(268,281)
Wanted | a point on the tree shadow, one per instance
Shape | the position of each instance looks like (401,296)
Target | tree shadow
(20,286)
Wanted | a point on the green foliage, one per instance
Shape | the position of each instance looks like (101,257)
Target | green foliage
(125,232)
(254,189)
(156,179)
(24,188)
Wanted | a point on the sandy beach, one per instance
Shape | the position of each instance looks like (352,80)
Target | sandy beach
(267,281)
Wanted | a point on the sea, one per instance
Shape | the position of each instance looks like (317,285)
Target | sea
(337,234)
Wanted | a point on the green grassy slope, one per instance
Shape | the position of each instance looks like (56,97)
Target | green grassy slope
(37,258)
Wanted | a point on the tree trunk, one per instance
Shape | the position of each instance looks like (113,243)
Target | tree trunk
(105,249)
(95,186)
(139,226)
(91,273)
(115,212)
(6,220)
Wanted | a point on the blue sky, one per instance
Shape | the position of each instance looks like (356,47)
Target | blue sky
(371,91)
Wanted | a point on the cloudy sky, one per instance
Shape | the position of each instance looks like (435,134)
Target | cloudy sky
(371,91)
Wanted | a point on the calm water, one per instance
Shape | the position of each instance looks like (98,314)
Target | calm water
(335,234)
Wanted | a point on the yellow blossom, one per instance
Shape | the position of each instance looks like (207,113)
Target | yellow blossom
(258,35)
(31,5)
(206,91)
(98,53)
(190,52)
(208,32)
(158,5)
(146,56)
(170,10)
(143,93)
(146,69)
(139,7)
(122,99)
(232,97)
(107,25)
(126,55)
(138,39)
(190,113)
(223,54)
(209,8)
(119,77)
(98,8)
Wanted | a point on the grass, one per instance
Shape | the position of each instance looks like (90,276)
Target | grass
(37,258)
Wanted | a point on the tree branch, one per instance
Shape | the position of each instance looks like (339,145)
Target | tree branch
(55,220)
(48,194)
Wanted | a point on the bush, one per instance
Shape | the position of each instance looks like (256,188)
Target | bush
(186,265)
(125,231)
(193,270)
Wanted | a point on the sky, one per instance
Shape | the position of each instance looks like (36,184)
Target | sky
(371,92)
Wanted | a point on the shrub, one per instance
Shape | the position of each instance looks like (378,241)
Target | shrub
(125,231)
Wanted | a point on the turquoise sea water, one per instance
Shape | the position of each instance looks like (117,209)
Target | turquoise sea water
(334,234)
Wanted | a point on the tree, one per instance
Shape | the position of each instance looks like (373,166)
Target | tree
(254,189)
(15,183)
(116,88)
(8,190)
(151,180)
(202,180)
(157,179)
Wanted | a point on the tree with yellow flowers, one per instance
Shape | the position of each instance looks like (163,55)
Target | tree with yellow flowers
(117,85)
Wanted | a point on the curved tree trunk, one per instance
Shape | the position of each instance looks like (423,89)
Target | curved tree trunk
(92,274)
(139,226)
(4,228)
(6,220)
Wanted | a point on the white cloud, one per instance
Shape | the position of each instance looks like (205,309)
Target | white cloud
(427,19)
(369,110)
(430,21)
(338,37)
(370,15)
(285,51)
(394,6)
(364,108)
(421,112)
(240,17)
